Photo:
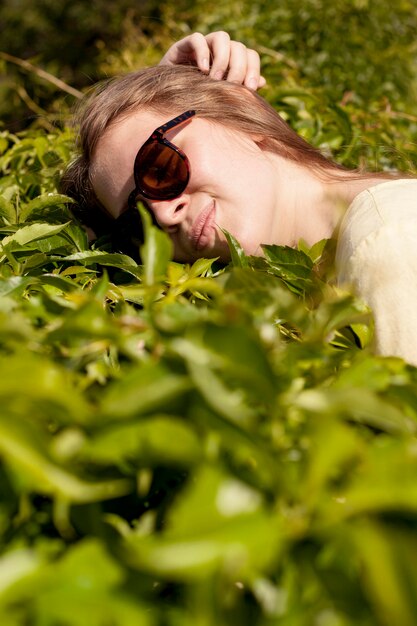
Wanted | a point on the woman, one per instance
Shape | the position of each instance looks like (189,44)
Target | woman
(209,155)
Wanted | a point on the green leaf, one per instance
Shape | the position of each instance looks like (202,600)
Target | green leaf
(84,572)
(389,569)
(7,210)
(41,475)
(143,389)
(230,403)
(16,284)
(152,441)
(293,266)
(201,267)
(34,232)
(91,257)
(46,207)
(227,531)
(239,258)
(48,390)
(156,252)
(359,404)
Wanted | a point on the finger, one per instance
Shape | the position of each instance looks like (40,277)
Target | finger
(195,48)
(191,49)
(238,62)
(219,43)
(253,78)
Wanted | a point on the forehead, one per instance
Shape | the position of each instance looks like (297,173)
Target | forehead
(112,162)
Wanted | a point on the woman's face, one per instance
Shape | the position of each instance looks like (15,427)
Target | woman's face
(232,185)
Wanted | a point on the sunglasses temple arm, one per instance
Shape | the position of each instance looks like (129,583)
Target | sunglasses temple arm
(173,123)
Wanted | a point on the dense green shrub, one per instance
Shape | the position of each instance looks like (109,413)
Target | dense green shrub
(197,444)
(358,46)
(66,38)
(56,32)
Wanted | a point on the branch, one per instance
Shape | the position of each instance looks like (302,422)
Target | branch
(28,67)
(31,104)
(278,56)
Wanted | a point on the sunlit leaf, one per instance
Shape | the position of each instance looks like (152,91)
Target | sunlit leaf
(27,234)
(239,258)
(46,206)
(156,252)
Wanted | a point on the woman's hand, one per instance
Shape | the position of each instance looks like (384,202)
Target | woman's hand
(219,56)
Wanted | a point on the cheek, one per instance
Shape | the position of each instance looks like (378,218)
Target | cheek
(250,214)
(219,164)
(112,179)
(204,175)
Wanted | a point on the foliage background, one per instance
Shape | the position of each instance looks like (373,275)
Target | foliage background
(200,445)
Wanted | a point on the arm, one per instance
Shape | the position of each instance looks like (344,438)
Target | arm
(219,56)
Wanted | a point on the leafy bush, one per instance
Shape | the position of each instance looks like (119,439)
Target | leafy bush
(197,444)
(65,38)
(191,444)
(342,46)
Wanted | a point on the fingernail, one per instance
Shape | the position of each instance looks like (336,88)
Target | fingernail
(205,65)
(252,83)
(218,75)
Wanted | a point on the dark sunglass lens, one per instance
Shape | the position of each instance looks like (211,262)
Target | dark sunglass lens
(161,173)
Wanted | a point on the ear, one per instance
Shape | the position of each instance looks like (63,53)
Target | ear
(258,139)
(265,143)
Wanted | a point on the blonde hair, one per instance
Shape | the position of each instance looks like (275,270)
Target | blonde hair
(171,91)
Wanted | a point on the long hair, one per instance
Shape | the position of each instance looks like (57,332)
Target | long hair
(172,90)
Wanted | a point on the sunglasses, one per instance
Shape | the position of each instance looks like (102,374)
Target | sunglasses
(161,170)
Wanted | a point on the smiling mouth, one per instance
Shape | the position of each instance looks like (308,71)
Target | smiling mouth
(202,230)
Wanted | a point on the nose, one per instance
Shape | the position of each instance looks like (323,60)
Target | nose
(169,214)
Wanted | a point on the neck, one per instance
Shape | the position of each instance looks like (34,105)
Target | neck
(310,205)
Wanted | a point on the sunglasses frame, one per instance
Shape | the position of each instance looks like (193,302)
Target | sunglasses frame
(158,137)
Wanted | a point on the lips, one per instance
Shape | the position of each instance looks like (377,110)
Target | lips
(202,229)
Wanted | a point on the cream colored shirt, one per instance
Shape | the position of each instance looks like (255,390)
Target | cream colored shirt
(376,256)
